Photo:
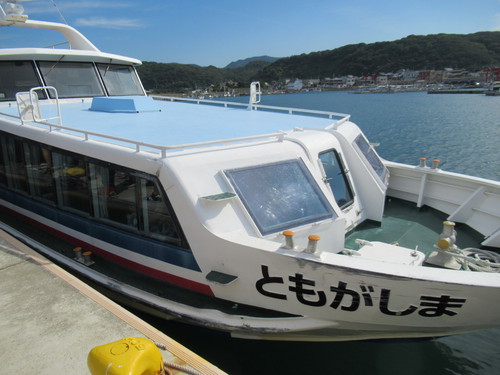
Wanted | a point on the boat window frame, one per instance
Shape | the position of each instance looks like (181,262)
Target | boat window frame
(133,74)
(314,191)
(61,93)
(99,82)
(347,184)
(36,75)
(369,156)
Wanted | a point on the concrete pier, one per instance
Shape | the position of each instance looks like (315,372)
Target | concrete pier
(50,320)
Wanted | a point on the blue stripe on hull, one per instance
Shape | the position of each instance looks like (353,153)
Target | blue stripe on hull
(129,241)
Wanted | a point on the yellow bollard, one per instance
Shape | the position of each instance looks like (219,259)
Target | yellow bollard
(128,356)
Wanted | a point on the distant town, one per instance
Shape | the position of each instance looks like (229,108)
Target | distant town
(403,77)
(402,80)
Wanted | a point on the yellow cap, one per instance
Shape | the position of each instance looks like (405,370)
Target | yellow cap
(131,355)
(443,243)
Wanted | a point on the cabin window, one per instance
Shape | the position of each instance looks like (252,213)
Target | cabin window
(336,177)
(16,76)
(3,170)
(280,195)
(15,164)
(71,79)
(120,79)
(158,223)
(113,195)
(39,169)
(71,182)
(369,153)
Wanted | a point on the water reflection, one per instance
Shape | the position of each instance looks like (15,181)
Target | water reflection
(469,354)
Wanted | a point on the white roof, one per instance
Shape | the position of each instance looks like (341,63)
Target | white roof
(64,55)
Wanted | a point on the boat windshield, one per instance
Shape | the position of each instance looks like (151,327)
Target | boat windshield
(120,79)
(280,195)
(371,157)
(71,79)
(16,76)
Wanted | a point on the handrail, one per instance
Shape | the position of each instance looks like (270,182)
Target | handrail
(343,117)
(87,135)
(139,146)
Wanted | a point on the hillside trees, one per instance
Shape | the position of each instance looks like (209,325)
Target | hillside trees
(415,52)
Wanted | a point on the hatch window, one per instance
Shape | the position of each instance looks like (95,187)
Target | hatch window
(120,79)
(336,177)
(371,156)
(16,76)
(71,79)
(280,195)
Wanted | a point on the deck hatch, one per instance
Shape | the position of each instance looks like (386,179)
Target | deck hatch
(124,104)
(280,195)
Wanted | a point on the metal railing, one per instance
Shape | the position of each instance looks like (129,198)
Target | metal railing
(148,147)
(292,111)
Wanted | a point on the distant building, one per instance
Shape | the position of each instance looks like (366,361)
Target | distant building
(295,85)
(410,75)
(382,79)
(369,79)
(332,82)
(339,82)
(490,75)
(349,81)
(459,76)
(310,82)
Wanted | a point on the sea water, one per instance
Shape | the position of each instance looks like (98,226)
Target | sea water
(463,131)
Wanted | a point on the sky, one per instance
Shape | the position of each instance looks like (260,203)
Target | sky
(218,32)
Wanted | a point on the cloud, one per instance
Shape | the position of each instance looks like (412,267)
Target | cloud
(74,6)
(109,23)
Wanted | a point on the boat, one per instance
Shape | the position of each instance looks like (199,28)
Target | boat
(494,90)
(262,222)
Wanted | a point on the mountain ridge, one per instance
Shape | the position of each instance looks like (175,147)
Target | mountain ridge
(243,62)
(473,52)
(415,52)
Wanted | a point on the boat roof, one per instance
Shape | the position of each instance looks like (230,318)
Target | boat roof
(74,55)
(180,122)
(81,49)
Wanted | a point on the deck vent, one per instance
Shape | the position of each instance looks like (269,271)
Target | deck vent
(124,104)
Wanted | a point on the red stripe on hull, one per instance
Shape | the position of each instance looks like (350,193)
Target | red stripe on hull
(169,278)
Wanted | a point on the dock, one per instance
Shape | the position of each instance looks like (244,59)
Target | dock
(50,320)
(457,91)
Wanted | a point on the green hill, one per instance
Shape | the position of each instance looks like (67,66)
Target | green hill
(416,52)
(180,77)
(243,62)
